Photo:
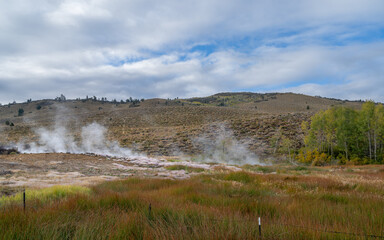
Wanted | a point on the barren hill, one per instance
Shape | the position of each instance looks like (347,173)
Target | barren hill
(169,127)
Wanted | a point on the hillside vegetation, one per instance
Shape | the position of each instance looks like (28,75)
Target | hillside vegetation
(171,127)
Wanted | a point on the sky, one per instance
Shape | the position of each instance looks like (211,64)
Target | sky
(149,48)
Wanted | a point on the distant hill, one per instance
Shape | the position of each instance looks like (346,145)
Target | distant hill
(170,126)
(276,103)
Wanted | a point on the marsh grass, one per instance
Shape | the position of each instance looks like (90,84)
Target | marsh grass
(215,206)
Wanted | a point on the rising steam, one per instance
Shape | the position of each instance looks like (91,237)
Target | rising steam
(221,146)
(59,140)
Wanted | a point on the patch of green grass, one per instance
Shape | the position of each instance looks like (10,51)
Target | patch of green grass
(300,168)
(186,168)
(334,198)
(173,160)
(45,194)
(242,177)
(257,168)
(266,169)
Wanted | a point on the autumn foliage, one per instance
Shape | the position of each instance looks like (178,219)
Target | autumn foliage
(345,135)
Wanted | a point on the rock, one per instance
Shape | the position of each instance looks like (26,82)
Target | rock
(5,172)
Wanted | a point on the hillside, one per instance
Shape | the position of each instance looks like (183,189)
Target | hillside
(274,103)
(173,127)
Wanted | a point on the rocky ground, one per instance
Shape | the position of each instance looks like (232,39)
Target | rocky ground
(44,170)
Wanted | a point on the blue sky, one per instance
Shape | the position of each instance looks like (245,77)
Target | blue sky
(149,48)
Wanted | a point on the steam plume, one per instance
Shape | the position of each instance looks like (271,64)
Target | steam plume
(58,140)
(223,147)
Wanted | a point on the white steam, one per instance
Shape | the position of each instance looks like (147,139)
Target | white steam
(59,140)
(221,146)
(93,137)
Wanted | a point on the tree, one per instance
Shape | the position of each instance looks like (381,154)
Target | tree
(355,134)
(62,98)
(345,128)
(371,125)
(286,145)
(316,137)
(275,140)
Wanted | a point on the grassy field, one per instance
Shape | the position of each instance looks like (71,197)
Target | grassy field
(294,202)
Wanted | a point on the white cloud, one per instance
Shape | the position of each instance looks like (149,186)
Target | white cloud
(357,70)
(70,11)
(141,48)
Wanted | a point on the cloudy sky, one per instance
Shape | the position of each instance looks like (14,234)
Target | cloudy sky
(151,48)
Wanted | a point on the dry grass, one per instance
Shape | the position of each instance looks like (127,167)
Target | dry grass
(292,205)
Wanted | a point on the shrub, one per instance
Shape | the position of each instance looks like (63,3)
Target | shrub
(20,112)
(342,159)
(321,160)
(355,160)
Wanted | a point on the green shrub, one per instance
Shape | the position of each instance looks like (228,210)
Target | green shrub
(20,112)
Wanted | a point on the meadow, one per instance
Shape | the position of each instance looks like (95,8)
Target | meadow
(293,202)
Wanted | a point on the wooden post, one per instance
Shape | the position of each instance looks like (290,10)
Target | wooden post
(24,199)
(260,227)
(149,210)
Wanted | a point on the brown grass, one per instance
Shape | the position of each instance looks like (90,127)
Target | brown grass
(219,206)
